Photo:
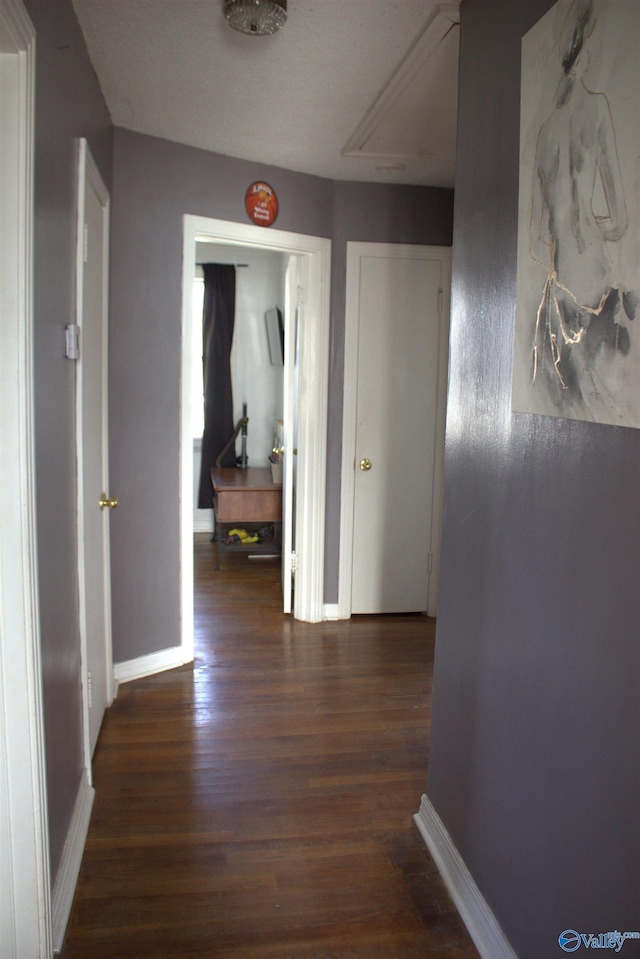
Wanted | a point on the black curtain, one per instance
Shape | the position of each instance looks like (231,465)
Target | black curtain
(218,316)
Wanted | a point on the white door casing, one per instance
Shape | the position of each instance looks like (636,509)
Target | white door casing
(92,446)
(314,264)
(394,408)
(25,897)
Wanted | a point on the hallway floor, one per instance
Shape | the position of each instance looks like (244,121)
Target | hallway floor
(258,805)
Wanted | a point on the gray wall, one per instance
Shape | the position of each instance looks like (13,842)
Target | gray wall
(155,183)
(68,105)
(534,757)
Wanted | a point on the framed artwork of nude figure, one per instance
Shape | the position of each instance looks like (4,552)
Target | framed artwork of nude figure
(577,337)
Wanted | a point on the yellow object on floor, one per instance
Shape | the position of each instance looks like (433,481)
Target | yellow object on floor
(242,536)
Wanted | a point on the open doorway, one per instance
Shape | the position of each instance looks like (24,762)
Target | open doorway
(257,373)
(310,290)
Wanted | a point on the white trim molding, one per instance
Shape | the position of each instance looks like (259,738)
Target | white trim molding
(151,664)
(25,897)
(482,925)
(67,875)
(204,523)
(331,611)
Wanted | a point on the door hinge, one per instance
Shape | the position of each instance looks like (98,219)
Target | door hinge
(294,562)
(72,341)
(89,691)
(85,243)
(430,564)
(440,298)
(300,296)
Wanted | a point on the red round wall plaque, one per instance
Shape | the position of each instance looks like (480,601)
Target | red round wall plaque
(261,203)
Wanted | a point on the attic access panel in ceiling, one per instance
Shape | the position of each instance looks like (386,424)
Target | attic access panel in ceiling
(415,114)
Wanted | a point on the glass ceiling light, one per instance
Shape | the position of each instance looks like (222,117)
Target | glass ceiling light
(258,18)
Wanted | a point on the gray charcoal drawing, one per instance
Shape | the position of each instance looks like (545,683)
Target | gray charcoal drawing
(577,348)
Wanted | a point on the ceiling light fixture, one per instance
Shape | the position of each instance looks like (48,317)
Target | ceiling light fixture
(258,18)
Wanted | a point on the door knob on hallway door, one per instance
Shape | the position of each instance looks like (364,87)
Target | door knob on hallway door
(365,465)
(107,501)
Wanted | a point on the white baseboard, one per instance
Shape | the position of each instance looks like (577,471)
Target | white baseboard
(331,611)
(482,925)
(150,664)
(204,523)
(67,877)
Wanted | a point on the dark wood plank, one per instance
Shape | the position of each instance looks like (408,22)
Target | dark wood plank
(258,805)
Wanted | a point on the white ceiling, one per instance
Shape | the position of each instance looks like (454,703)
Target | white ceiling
(348,89)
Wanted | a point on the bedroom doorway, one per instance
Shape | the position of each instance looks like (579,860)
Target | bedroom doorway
(257,376)
(311,256)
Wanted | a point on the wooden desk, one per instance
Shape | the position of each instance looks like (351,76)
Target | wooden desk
(246,496)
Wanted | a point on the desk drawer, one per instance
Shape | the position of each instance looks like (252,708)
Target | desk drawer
(248,506)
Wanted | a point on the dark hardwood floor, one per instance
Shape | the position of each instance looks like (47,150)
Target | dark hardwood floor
(258,805)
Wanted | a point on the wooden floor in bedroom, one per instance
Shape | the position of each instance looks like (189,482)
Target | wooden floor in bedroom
(258,804)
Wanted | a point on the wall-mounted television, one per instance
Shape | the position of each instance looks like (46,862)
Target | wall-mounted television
(275,336)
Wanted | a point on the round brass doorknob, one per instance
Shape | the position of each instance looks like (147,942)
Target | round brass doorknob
(365,464)
(107,501)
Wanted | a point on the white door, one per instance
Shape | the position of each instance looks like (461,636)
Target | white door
(395,302)
(290,423)
(94,504)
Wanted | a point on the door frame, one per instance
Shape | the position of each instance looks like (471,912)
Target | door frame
(356,251)
(315,254)
(25,905)
(88,173)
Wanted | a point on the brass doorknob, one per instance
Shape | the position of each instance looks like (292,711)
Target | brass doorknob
(107,501)
(365,464)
